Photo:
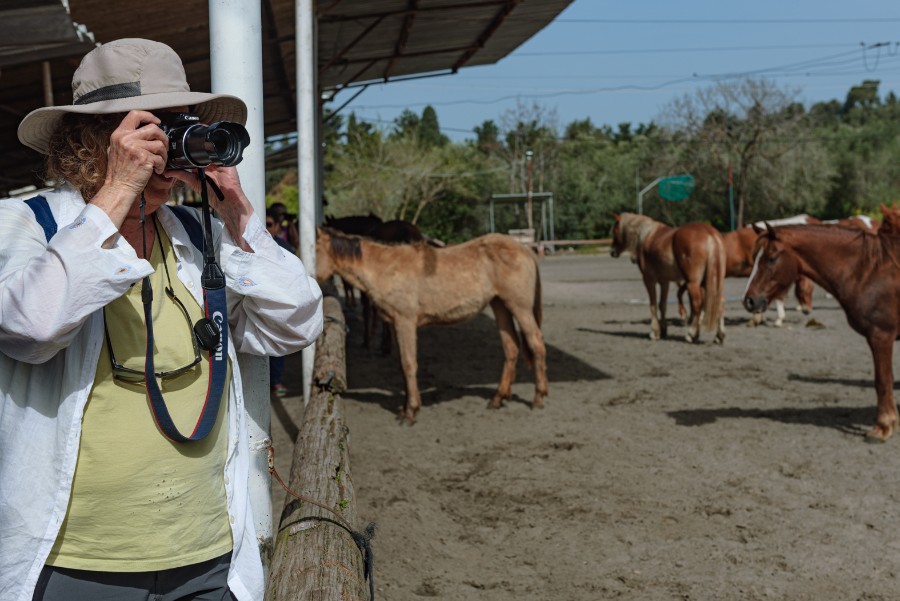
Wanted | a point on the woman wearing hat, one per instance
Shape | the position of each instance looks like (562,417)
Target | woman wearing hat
(124,454)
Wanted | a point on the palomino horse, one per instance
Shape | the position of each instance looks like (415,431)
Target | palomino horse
(417,285)
(693,254)
(359,225)
(861,270)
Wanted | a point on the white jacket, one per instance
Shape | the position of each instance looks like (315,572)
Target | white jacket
(51,331)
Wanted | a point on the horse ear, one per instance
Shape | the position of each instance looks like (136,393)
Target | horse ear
(771,231)
(757,228)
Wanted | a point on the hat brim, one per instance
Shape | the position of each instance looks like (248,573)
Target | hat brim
(38,126)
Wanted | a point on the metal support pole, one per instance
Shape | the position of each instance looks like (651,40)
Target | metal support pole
(491,214)
(307,151)
(235,44)
(48,83)
(528,155)
(640,206)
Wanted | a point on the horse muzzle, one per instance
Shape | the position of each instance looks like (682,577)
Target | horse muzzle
(613,253)
(755,304)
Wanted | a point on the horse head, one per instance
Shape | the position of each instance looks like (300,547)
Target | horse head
(324,263)
(775,269)
(890,225)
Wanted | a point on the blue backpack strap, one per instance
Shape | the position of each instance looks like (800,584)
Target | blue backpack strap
(191,225)
(44,216)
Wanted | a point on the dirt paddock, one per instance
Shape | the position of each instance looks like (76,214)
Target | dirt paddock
(658,470)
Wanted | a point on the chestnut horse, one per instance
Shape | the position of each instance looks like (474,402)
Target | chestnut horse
(693,254)
(739,246)
(417,285)
(861,270)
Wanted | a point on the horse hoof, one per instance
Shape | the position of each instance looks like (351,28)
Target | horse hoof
(496,403)
(404,419)
(719,340)
(877,436)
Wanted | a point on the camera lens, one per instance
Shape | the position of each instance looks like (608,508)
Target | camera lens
(200,145)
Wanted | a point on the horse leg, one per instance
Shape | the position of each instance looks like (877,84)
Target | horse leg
(803,290)
(886,423)
(510,343)
(681,312)
(695,296)
(650,284)
(779,309)
(367,310)
(534,338)
(663,304)
(406,343)
(349,296)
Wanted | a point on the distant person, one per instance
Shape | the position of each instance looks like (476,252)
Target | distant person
(287,223)
(124,453)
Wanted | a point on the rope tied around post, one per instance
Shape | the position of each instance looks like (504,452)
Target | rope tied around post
(363,540)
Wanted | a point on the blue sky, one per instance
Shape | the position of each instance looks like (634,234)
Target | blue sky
(624,61)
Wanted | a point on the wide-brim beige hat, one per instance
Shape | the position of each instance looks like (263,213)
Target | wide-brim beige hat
(125,75)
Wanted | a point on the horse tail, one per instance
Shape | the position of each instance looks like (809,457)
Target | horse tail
(527,352)
(713,305)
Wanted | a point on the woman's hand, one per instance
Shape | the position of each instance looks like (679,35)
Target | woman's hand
(137,150)
(234,210)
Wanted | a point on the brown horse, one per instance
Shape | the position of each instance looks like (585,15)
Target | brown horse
(693,254)
(861,222)
(861,270)
(739,246)
(418,285)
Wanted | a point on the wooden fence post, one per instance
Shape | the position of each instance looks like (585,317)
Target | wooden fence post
(316,559)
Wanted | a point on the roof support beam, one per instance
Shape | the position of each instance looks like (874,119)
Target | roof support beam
(338,57)
(487,33)
(404,38)
(284,81)
(326,20)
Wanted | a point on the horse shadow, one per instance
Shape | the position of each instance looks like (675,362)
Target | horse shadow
(675,326)
(464,359)
(849,420)
(859,383)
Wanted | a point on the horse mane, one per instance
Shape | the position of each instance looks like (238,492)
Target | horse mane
(637,228)
(872,247)
(344,246)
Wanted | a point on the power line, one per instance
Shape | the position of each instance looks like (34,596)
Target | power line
(726,21)
(689,49)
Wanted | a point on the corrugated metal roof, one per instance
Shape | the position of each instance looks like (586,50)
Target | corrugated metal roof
(360,41)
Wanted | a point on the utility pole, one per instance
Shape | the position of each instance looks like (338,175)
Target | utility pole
(528,155)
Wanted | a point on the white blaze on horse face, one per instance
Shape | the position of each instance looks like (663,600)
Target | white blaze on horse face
(753,273)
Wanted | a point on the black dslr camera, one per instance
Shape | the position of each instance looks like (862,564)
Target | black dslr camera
(193,144)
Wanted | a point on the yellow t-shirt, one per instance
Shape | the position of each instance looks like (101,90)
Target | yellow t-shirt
(139,501)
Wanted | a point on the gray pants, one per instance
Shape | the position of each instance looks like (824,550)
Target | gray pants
(205,581)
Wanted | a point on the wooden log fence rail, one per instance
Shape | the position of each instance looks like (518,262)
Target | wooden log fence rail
(319,553)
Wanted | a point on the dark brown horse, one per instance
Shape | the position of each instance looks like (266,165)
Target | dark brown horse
(861,270)
(692,254)
(416,285)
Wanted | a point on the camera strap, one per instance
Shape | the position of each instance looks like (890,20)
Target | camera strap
(215,310)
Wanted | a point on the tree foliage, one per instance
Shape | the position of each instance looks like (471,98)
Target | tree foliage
(832,159)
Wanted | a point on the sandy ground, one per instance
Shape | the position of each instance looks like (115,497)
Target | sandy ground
(658,470)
